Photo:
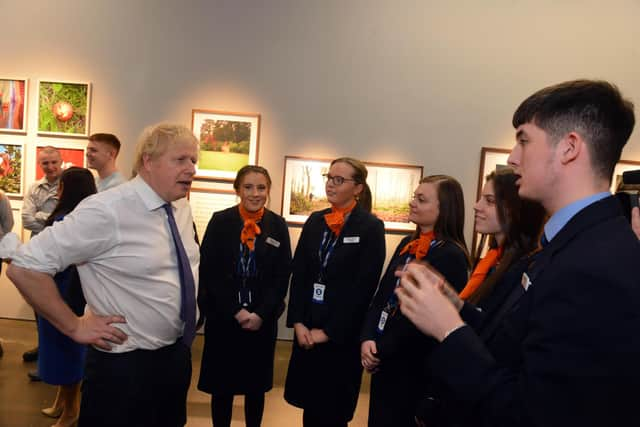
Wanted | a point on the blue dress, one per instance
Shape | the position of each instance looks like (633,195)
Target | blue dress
(60,359)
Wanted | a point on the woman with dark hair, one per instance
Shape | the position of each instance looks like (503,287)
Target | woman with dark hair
(61,360)
(510,228)
(244,272)
(336,268)
(392,349)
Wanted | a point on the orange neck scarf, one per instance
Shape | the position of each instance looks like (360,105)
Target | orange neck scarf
(335,219)
(489,261)
(420,246)
(251,229)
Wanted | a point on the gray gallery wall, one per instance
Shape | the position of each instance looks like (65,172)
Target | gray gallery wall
(422,82)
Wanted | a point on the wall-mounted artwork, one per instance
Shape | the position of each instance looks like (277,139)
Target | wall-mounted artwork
(13,105)
(228,141)
(63,108)
(205,202)
(621,167)
(71,156)
(391,188)
(11,168)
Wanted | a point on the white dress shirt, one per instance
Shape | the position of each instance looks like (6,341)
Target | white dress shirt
(122,245)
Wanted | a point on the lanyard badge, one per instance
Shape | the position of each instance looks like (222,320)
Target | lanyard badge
(324,253)
(246,270)
(392,304)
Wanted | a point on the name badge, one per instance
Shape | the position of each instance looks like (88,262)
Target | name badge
(351,239)
(244,297)
(318,293)
(383,320)
(525,281)
(273,242)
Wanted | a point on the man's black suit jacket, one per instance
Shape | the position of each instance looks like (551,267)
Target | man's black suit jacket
(569,352)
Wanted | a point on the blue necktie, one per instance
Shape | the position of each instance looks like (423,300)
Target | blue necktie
(187,284)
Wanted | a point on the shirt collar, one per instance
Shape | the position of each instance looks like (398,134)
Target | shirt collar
(149,197)
(564,215)
(44,182)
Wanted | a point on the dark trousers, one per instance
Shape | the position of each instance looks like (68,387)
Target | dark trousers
(138,388)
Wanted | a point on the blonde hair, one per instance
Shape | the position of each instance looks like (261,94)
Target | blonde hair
(155,140)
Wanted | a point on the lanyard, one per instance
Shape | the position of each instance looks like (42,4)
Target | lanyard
(327,245)
(392,303)
(247,264)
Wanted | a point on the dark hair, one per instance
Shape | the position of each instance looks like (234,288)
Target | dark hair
(107,138)
(77,184)
(594,109)
(450,223)
(522,222)
(247,170)
(360,177)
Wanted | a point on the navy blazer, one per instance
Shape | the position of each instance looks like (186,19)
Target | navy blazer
(568,353)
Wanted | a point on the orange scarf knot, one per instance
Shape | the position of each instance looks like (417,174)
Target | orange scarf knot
(335,219)
(489,261)
(251,228)
(420,246)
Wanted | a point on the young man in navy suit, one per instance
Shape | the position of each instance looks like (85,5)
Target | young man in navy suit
(567,354)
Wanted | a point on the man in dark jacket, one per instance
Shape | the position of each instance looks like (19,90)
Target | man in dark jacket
(567,353)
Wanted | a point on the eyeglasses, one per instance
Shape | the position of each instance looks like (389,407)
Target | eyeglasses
(337,180)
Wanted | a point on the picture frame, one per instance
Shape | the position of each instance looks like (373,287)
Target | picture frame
(14,94)
(72,155)
(64,108)
(228,141)
(621,167)
(303,190)
(204,202)
(12,169)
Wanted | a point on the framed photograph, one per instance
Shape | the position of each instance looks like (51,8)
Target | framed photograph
(391,188)
(228,141)
(204,202)
(12,168)
(621,167)
(63,108)
(71,156)
(13,105)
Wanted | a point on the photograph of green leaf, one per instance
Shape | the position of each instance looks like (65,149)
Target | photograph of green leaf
(63,108)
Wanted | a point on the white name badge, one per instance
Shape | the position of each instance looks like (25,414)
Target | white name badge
(383,320)
(318,293)
(351,239)
(273,242)
(525,281)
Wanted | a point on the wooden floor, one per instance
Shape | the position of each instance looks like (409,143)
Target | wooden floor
(21,400)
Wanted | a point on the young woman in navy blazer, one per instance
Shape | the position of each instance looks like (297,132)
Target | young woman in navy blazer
(510,228)
(244,273)
(336,268)
(392,349)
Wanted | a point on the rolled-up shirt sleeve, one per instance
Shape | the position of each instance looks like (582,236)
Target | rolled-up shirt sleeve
(87,232)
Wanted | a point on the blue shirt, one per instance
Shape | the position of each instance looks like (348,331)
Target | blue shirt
(562,217)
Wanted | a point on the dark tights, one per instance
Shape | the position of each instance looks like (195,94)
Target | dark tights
(222,406)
